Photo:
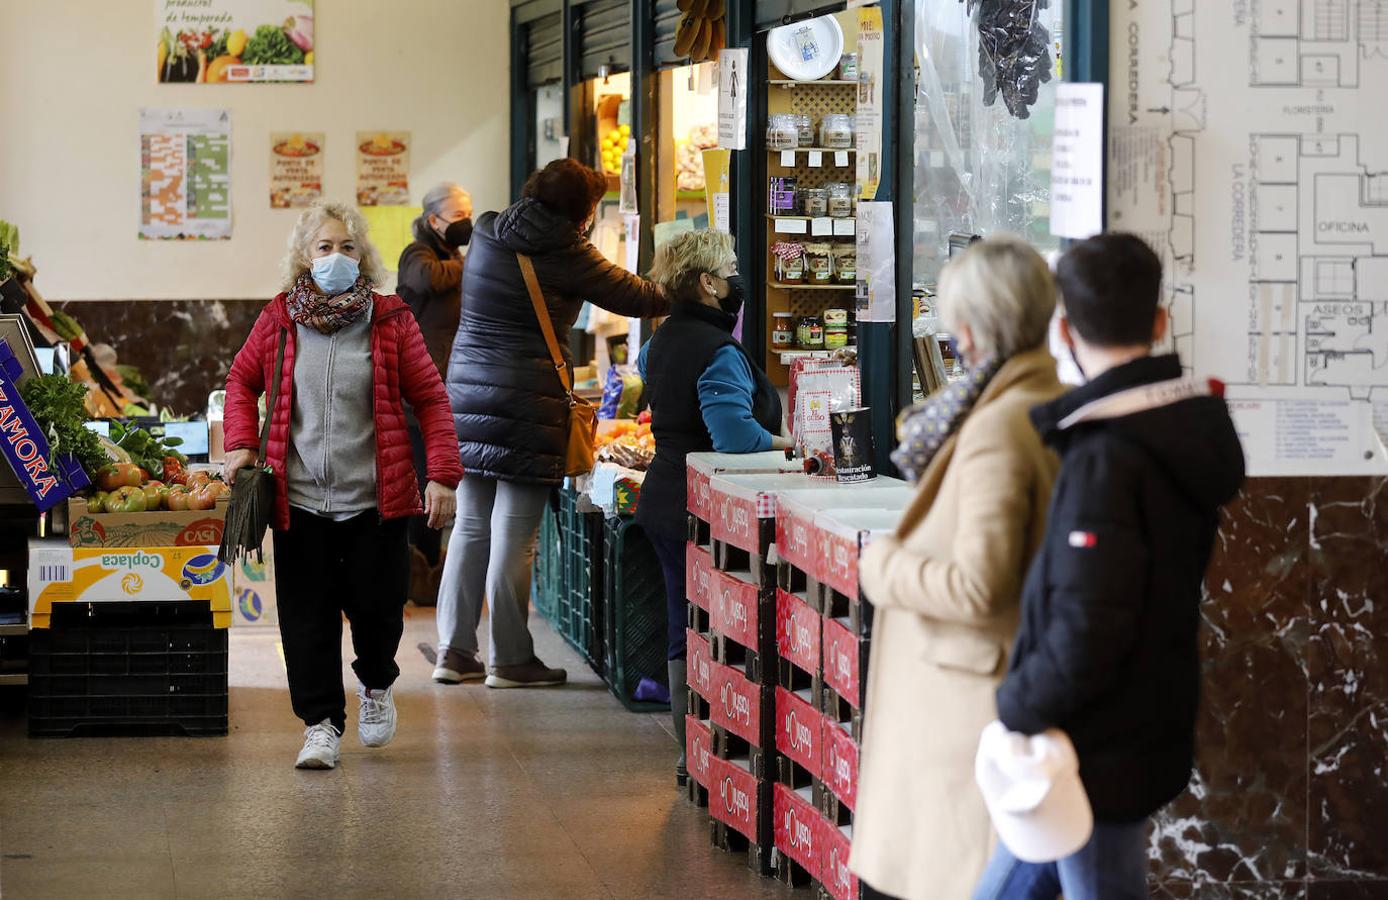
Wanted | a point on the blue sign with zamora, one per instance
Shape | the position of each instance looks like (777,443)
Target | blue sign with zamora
(24,444)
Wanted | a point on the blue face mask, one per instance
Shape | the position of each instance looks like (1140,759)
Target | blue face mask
(334,274)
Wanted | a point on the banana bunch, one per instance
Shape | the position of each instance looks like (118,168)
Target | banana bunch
(702,31)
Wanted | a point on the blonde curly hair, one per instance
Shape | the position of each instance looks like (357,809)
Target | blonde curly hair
(679,261)
(297,260)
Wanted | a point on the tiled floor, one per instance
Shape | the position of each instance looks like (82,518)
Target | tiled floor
(484,794)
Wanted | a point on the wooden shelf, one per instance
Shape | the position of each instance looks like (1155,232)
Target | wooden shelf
(823,82)
(815,150)
(18,630)
(811,287)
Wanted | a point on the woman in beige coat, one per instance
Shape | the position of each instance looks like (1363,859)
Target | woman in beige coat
(946,585)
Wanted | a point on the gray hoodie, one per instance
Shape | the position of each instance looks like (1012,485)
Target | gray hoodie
(332,454)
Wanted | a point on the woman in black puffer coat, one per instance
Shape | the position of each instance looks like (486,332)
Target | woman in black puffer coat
(511,412)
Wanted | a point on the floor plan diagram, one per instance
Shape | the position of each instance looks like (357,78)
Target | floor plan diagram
(1276,246)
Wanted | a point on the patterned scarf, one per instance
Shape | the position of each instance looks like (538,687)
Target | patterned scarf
(925,428)
(327,315)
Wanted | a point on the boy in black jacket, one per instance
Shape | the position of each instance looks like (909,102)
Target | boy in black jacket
(1107,650)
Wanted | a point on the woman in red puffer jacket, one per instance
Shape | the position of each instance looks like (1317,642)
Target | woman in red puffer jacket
(344,475)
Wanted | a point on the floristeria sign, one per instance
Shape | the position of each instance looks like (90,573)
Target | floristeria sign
(23,443)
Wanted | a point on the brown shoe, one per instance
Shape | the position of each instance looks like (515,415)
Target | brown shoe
(455,668)
(531,674)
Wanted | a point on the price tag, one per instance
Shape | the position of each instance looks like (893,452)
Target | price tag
(845,227)
(822,226)
(816,159)
(840,157)
(793,226)
(788,158)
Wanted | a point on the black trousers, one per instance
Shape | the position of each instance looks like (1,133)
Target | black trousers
(670,551)
(423,538)
(324,569)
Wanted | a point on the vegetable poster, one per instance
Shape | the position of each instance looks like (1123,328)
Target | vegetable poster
(296,169)
(383,168)
(234,41)
(185,173)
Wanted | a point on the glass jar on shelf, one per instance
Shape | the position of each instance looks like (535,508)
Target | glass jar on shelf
(783,330)
(846,262)
(790,262)
(848,67)
(782,132)
(809,335)
(819,263)
(814,202)
(840,200)
(836,131)
(805,129)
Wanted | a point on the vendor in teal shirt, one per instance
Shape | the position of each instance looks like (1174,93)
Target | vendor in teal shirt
(705,395)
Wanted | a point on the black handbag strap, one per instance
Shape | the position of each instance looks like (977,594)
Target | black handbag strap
(274,393)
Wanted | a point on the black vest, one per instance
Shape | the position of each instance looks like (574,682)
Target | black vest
(680,352)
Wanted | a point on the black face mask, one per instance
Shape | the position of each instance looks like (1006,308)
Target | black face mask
(732,304)
(458,233)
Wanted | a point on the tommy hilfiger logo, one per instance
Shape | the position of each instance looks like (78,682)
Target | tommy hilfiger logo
(1084,540)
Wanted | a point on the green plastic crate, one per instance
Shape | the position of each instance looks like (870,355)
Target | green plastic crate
(580,601)
(635,616)
(547,580)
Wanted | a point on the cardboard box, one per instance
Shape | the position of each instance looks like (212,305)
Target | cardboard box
(254,601)
(162,528)
(59,574)
(798,828)
(800,730)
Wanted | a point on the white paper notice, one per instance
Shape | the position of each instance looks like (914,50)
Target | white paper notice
(792,226)
(841,158)
(816,159)
(821,226)
(720,213)
(732,99)
(788,158)
(1077,161)
(845,227)
(876,262)
(868,122)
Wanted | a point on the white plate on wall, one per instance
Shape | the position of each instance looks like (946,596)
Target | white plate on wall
(808,50)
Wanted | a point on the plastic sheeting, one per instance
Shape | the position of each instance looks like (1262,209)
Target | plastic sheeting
(979,168)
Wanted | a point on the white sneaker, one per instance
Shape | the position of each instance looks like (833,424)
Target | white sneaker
(321,743)
(376,720)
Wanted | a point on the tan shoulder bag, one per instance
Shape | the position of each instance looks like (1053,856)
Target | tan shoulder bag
(583,416)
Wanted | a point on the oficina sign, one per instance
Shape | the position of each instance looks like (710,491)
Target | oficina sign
(24,446)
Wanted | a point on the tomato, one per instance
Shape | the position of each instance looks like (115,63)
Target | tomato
(97,504)
(174,472)
(118,475)
(155,492)
(203,498)
(177,500)
(128,499)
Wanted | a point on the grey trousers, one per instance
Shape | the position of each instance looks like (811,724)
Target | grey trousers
(489,558)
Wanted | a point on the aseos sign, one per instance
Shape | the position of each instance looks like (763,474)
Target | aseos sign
(24,445)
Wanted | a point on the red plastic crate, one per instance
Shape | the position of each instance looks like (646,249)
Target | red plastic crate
(843,662)
(839,768)
(736,798)
(797,631)
(798,828)
(698,497)
(698,749)
(736,704)
(698,575)
(736,612)
(799,731)
(699,664)
(795,535)
(834,847)
(841,536)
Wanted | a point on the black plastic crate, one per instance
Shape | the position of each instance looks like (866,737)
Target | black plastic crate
(579,614)
(635,634)
(128,680)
